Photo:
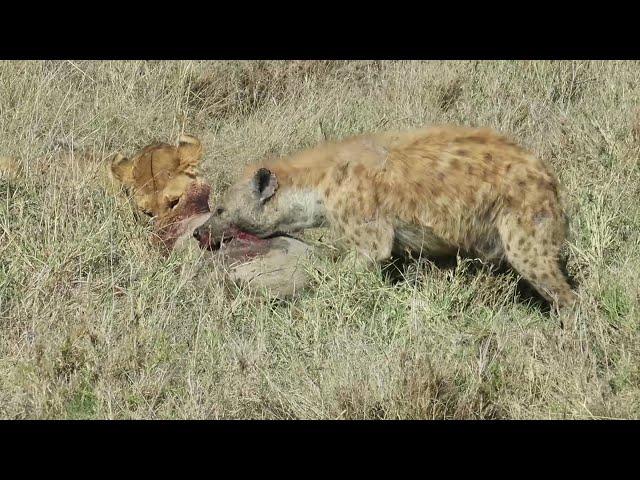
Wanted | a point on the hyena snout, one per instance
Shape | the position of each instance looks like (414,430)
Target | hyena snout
(203,235)
(200,235)
(211,233)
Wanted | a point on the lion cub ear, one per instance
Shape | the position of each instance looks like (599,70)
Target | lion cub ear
(122,169)
(190,151)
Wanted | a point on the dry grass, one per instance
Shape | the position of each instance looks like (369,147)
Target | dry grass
(94,324)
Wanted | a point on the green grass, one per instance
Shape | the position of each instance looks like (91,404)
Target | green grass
(94,323)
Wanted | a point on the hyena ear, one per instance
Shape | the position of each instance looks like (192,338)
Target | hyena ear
(265,184)
(189,150)
(121,169)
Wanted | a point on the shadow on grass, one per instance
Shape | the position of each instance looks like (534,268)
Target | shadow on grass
(395,272)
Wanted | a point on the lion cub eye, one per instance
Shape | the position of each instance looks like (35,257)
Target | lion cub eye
(173,203)
(147,213)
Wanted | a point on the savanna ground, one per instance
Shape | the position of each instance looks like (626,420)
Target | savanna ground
(94,323)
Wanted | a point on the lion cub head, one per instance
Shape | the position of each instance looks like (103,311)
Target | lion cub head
(163,183)
(158,175)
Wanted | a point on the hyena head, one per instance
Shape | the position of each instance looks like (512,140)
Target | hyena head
(257,205)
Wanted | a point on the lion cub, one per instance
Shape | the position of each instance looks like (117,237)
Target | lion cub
(159,175)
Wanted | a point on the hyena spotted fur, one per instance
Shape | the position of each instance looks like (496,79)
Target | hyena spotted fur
(433,191)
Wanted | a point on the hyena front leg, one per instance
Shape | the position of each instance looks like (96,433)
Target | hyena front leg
(372,239)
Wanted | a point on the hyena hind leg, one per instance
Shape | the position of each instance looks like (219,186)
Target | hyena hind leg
(534,254)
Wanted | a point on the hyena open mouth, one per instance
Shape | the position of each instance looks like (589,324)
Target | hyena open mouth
(232,237)
(236,240)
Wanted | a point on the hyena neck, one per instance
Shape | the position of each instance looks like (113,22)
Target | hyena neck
(300,208)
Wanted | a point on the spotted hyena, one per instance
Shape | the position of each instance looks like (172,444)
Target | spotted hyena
(433,192)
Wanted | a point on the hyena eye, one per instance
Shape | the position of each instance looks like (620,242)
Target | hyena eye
(219,211)
(173,203)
